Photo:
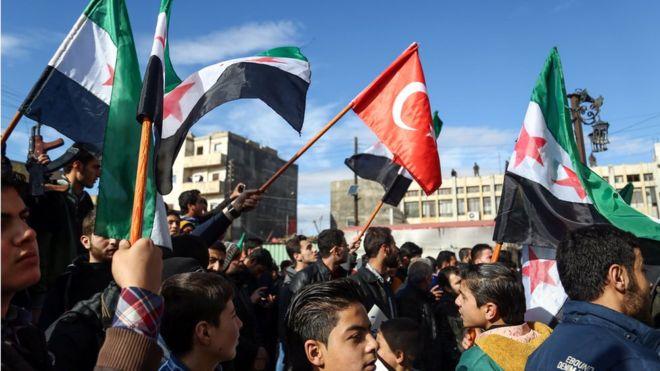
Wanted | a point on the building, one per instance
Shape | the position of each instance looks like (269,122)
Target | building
(342,211)
(477,198)
(215,163)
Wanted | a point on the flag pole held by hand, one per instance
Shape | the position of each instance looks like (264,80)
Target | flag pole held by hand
(371,218)
(12,125)
(141,181)
(302,150)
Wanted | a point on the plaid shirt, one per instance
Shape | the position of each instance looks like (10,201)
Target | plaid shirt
(139,310)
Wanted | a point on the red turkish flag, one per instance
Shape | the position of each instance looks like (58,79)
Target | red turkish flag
(396,107)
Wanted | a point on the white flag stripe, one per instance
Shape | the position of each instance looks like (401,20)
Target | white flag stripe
(554,159)
(157,47)
(90,70)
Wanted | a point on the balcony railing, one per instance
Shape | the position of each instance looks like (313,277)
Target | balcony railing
(209,187)
(209,159)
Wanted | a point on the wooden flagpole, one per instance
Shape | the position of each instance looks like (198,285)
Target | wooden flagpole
(496,252)
(12,125)
(302,150)
(141,181)
(371,219)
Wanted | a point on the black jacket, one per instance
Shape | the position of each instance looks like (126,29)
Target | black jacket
(23,345)
(374,292)
(317,272)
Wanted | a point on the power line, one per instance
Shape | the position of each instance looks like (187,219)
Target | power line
(635,124)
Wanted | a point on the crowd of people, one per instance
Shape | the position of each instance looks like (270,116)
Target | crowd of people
(74,300)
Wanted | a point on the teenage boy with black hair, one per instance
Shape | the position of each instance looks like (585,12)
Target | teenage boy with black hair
(605,321)
(492,298)
(328,329)
(481,253)
(398,344)
(199,323)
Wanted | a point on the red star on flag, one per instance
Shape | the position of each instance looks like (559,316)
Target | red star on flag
(266,60)
(538,271)
(528,147)
(162,40)
(172,103)
(110,79)
(573,182)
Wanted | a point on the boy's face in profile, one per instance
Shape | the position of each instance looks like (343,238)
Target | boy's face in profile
(385,353)
(224,338)
(472,315)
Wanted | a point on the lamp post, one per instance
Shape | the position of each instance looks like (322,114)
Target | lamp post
(586,110)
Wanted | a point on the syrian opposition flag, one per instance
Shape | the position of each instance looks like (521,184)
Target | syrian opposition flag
(376,164)
(396,107)
(544,293)
(279,77)
(89,92)
(547,190)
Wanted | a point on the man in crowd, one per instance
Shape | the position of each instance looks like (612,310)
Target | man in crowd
(481,254)
(173,221)
(199,323)
(449,280)
(464,255)
(492,298)
(57,219)
(399,344)
(407,252)
(217,255)
(192,206)
(379,246)
(302,254)
(340,338)
(605,323)
(86,276)
(445,259)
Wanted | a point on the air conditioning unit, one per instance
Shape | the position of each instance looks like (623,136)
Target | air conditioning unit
(473,215)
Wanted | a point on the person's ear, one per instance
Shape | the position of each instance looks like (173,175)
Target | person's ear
(86,242)
(400,357)
(202,333)
(77,165)
(297,257)
(617,276)
(314,352)
(491,311)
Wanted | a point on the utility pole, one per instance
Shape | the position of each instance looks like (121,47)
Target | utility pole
(577,123)
(355,181)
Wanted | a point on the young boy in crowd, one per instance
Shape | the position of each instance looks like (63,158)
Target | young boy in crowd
(199,323)
(492,298)
(398,344)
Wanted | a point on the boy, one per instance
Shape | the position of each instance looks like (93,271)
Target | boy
(199,323)
(492,298)
(398,343)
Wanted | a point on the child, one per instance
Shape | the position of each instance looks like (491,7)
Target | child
(398,343)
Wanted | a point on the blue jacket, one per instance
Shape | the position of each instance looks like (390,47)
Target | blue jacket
(593,337)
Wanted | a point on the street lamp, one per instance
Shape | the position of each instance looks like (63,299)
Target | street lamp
(586,110)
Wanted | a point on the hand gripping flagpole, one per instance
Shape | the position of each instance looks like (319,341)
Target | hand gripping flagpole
(302,150)
(12,125)
(141,181)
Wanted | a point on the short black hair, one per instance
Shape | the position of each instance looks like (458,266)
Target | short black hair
(88,223)
(191,246)
(188,197)
(375,238)
(445,273)
(293,245)
(462,253)
(495,283)
(445,256)
(329,238)
(12,179)
(174,212)
(410,250)
(83,155)
(285,264)
(404,335)
(313,313)
(477,249)
(585,255)
(418,271)
(190,298)
(261,257)
(218,245)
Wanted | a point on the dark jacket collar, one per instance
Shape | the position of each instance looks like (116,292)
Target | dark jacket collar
(579,312)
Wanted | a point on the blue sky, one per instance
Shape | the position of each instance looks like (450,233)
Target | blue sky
(481,59)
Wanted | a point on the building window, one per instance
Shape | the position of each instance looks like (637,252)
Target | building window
(446,207)
(473,204)
(460,207)
(632,178)
(199,151)
(650,196)
(487,206)
(411,209)
(636,200)
(497,203)
(485,188)
(217,147)
(444,191)
(412,193)
(648,176)
(498,188)
(215,176)
(460,190)
(428,209)
(473,189)
(618,179)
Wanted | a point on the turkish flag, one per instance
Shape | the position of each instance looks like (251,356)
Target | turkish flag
(396,107)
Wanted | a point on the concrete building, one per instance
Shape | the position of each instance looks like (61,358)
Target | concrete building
(342,213)
(215,163)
